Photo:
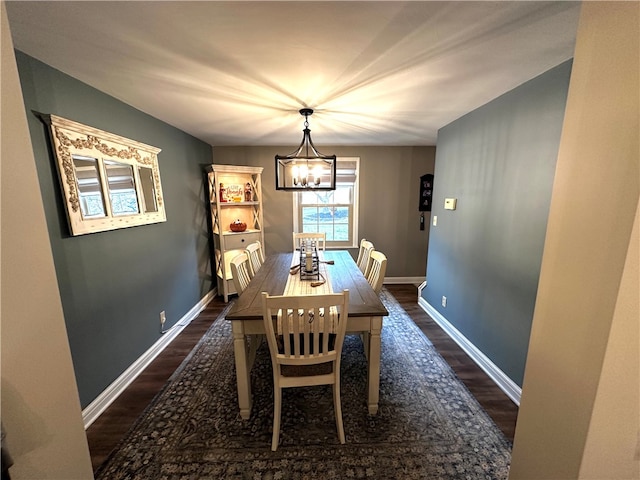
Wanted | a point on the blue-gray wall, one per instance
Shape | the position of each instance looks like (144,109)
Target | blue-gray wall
(114,284)
(499,162)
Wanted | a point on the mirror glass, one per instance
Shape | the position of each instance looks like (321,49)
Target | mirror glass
(148,189)
(89,186)
(122,188)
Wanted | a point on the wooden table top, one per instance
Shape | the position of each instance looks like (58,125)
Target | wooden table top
(272,278)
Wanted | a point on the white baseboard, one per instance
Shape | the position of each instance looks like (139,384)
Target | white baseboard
(398,280)
(106,398)
(508,386)
(421,287)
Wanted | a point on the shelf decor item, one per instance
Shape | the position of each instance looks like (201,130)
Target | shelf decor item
(238,226)
(426,192)
(235,193)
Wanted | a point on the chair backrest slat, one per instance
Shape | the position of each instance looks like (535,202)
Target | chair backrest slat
(307,332)
(326,327)
(286,335)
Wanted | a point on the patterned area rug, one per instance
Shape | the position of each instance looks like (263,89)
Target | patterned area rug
(428,426)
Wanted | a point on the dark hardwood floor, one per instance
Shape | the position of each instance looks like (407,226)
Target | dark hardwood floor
(105,433)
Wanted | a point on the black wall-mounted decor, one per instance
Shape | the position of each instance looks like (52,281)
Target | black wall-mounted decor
(426,192)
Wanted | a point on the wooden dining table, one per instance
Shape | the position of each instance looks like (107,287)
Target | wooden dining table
(366,312)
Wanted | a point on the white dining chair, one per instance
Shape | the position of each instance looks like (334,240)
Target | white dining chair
(305,336)
(256,257)
(240,271)
(377,270)
(319,238)
(364,254)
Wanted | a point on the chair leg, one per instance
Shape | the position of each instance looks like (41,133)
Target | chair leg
(337,407)
(277,407)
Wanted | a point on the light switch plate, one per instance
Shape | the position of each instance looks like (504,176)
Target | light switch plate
(450,203)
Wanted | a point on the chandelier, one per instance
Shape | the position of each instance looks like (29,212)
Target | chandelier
(306,168)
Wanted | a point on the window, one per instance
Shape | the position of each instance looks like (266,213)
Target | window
(334,212)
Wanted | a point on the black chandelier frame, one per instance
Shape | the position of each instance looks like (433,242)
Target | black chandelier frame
(308,157)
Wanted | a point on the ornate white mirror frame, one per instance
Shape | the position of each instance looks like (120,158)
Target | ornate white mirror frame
(109,181)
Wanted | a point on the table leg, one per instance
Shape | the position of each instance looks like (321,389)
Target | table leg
(242,370)
(373,380)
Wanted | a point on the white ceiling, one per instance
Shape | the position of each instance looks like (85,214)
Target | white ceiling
(236,73)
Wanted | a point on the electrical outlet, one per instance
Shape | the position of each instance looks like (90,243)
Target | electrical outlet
(163,318)
(444,301)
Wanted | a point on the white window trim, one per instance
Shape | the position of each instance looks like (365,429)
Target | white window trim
(356,204)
